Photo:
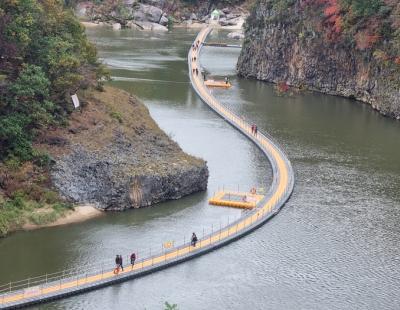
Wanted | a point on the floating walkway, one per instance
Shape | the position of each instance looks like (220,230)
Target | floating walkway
(213,83)
(218,44)
(236,200)
(69,282)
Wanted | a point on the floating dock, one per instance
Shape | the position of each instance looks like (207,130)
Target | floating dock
(213,83)
(218,44)
(236,200)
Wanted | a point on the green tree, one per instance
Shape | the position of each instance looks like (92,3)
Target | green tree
(46,57)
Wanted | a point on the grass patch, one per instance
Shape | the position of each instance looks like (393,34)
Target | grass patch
(116,115)
(17,211)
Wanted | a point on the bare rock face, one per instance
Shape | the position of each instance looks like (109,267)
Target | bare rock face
(104,178)
(286,49)
(121,159)
(144,12)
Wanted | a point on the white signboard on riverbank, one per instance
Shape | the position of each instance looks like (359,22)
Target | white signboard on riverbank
(75,100)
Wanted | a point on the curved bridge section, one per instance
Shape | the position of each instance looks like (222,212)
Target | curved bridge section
(69,282)
(283,176)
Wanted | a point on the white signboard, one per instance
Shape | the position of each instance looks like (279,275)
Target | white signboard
(75,100)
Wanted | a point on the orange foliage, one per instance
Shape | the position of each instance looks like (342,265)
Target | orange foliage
(282,87)
(397,60)
(332,8)
(365,40)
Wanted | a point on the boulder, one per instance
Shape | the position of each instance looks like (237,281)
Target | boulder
(205,18)
(139,16)
(164,20)
(157,3)
(232,16)
(236,35)
(226,10)
(144,12)
(116,26)
(152,26)
(158,27)
(225,22)
(132,25)
(193,16)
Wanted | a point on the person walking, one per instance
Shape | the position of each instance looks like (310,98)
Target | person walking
(252,129)
(255,130)
(194,239)
(133,258)
(117,261)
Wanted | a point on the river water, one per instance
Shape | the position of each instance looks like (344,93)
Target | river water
(335,245)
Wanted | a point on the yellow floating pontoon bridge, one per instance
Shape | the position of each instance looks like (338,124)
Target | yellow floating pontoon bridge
(236,199)
(213,83)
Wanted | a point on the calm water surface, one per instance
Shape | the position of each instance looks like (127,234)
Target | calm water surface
(335,245)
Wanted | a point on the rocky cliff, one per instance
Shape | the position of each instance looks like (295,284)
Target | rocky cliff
(115,156)
(320,46)
(158,14)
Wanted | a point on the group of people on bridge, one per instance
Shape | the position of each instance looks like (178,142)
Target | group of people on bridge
(119,262)
(119,259)
(195,46)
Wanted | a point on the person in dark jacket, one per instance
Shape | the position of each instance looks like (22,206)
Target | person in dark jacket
(133,258)
(194,239)
(117,261)
(120,263)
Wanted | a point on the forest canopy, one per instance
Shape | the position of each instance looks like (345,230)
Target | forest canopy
(45,57)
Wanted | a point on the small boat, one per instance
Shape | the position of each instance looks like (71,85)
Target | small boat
(213,83)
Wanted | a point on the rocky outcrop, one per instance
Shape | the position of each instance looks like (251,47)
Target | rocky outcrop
(130,14)
(116,157)
(288,49)
(147,13)
(139,14)
(236,35)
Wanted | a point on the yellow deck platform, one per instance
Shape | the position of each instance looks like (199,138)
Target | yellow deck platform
(213,83)
(235,200)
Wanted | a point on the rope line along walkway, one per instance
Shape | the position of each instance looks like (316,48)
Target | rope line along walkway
(69,282)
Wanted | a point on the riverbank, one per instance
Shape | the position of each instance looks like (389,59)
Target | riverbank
(76,215)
